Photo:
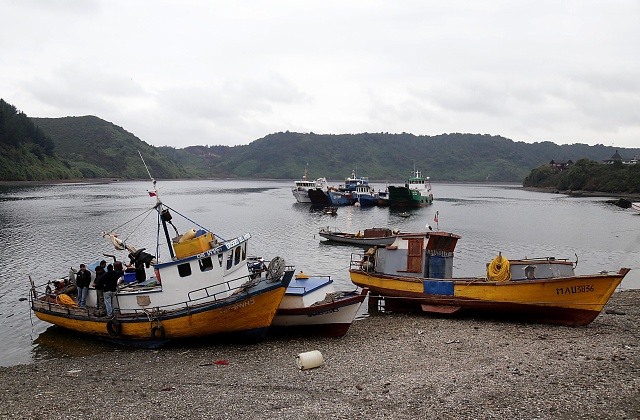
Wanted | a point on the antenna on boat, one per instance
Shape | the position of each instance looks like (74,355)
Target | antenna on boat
(153,193)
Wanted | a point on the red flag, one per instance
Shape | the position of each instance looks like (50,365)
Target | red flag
(152,193)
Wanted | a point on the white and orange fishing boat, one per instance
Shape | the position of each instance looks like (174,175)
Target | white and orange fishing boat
(415,273)
(203,288)
(312,306)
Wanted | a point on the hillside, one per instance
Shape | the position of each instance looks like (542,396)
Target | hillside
(383,156)
(26,152)
(89,147)
(98,149)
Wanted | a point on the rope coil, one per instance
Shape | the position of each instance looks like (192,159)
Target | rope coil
(499,269)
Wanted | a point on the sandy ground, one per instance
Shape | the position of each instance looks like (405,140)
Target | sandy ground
(389,366)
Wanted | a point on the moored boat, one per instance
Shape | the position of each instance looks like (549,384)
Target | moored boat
(204,288)
(416,192)
(319,197)
(302,186)
(311,305)
(415,273)
(636,206)
(367,237)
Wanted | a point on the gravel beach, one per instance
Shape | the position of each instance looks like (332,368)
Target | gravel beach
(401,366)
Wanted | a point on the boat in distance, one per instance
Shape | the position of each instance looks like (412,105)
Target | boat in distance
(415,274)
(202,288)
(302,186)
(367,237)
(416,192)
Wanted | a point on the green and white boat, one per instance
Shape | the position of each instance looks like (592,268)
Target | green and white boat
(416,192)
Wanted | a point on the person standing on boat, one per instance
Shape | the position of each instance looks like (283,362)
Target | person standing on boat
(97,284)
(83,279)
(110,285)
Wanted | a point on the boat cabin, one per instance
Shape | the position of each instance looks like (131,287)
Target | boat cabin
(422,255)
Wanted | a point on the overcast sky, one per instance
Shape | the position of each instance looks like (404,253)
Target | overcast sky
(183,73)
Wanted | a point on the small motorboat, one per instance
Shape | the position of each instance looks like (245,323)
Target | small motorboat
(366,238)
(311,305)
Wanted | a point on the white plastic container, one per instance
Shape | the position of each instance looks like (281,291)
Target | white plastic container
(309,360)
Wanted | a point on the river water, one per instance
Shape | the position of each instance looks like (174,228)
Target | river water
(45,230)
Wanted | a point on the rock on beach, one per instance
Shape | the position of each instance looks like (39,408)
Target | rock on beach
(388,366)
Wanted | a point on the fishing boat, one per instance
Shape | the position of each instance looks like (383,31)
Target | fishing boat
(302,186)
(415,274)
(416,192)
(367,237)
(202,288)
(311,305)
(319,197)
(347,194)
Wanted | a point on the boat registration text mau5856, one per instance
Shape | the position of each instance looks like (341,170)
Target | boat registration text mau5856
(200,287)
(415,273)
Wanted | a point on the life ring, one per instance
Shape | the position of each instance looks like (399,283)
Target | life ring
(499,269)
(114,327)
(157,333)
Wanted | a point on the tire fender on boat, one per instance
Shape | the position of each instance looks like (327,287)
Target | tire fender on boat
(157,333)
(114,327)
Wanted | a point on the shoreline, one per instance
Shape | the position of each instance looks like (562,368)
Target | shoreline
(387,366)
(550,190)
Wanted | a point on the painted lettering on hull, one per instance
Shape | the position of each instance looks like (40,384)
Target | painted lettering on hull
(241,305)
(575,289)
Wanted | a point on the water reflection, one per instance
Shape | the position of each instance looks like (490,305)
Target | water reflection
(56,342)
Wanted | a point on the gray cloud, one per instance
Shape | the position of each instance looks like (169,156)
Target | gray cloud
(183,73)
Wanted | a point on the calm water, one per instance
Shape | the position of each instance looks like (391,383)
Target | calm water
(47,229)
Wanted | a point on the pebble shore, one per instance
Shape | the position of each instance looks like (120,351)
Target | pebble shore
(388,366)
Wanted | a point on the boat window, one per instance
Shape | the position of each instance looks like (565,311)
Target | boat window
(244,251)
(206,264)
(237,256)
(220,258)
(229,260)
(184,270)
(530,272)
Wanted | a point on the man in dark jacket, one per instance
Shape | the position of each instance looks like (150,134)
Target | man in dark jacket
(97,283)
(109,283)
(83,279)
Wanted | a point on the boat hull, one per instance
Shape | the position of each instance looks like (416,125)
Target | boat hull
(567,301)
(365,242)
(246,316)
(331,319)
(341,198)
(301,196)
(319,198)
(404,197)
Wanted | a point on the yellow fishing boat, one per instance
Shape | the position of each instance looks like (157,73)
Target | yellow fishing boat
(415,273)
(203,288)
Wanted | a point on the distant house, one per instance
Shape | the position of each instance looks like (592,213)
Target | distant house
(560,165)
(617,158)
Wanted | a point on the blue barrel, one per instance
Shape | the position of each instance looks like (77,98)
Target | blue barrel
(437,267)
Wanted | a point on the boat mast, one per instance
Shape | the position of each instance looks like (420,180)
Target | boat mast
(163,213)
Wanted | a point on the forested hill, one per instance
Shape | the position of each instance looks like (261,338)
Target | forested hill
(89,147)
(99,149)
(392,157)
(26,152)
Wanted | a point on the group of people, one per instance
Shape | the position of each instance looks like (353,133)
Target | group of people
(105,283)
